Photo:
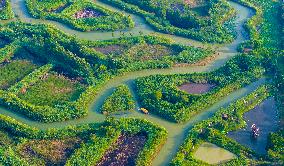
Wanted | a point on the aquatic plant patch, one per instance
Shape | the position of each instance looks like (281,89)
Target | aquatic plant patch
(82,15)
(275,146)
(5,139)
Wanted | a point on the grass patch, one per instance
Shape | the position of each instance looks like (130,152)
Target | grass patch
(5,139)
(52,90)
(149,51)
(14,71)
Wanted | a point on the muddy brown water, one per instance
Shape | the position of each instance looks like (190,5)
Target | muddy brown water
(196,88)
(265,117)
(125,150)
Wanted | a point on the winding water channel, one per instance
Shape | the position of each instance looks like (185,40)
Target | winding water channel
(177,132)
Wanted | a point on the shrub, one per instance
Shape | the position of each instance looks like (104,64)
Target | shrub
(121,100)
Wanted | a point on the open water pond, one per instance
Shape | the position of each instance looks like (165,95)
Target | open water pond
(196,88)
(265,117)
(212,154)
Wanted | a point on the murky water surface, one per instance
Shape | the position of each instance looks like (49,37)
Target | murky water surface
(265,117)
(212,154)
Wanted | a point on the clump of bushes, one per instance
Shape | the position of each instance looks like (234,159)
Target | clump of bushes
(53,90)
(13,71)
(6,12)
(120,101)
(160,94)
(144,52)
(79,145)
(176,17)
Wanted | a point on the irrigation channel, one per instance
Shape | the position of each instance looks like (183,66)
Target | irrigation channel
(177,132)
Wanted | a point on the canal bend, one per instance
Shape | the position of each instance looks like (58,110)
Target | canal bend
(177,132)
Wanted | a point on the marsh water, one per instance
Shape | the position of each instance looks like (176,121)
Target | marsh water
(265,117)
(177,132)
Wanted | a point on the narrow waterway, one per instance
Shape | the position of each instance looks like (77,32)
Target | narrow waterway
(177,132)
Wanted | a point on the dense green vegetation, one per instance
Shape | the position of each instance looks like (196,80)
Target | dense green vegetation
(275,146)
(160,95)
(209,21)
(6,10)
(72,142)
(119,101)
(49,76)
(214,130)
(144,52)
(53,90)
(266,39)
(72,14)
(13,71)
(78,61)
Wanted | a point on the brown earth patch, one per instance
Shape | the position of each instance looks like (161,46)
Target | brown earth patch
(88,13)
(196,88)
(53,152)
(149,51)
(110,49)
(194,3)
(125,150)
(202,62)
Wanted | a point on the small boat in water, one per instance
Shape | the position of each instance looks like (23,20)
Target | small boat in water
(145,111)
(254,131)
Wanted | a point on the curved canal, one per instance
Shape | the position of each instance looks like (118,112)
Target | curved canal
(177,132)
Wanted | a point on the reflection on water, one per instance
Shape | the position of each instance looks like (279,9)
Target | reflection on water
(212,154)
(265,117)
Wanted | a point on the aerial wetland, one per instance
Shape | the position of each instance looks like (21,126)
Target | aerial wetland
(149,82)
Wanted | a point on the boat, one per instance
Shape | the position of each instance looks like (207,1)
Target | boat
(145,111)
